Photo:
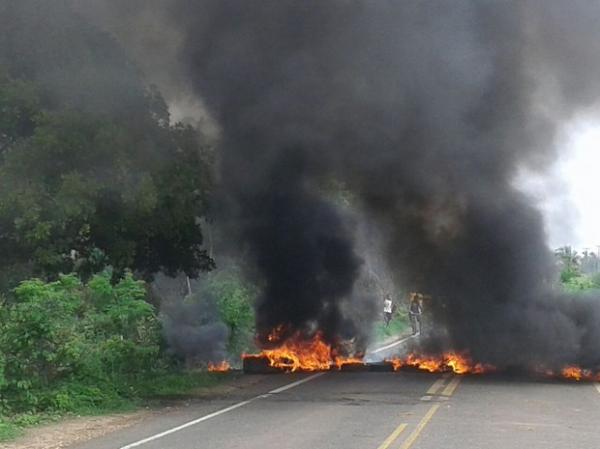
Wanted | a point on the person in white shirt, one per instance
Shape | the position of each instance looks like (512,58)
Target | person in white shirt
(387,310)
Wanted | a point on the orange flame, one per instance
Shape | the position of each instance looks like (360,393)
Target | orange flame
(572,372)
(298,354)
(449,361)
(221,367)
(314,354)
(341,361)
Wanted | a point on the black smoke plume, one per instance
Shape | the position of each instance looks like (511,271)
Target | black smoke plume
(426,111)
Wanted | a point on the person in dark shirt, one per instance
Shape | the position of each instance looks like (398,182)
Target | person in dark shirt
(415,310)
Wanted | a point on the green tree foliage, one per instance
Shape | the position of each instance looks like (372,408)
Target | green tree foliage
(81,191)
(61,341)
(569,262)
(580,283)
(92,172)
(235,299)
(572,278)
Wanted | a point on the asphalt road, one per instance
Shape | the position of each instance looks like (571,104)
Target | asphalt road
(380,411)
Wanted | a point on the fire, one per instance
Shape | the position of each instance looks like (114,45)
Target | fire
(577,373)
(220,367)
(297,354)
(572,372)
(301,354)
(449,361)
(341,361)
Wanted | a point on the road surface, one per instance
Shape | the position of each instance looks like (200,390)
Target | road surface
(366,410)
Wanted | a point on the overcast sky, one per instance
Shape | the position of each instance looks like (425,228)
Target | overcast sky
(568,195)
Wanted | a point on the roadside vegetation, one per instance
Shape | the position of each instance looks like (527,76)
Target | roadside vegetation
(100,191)
(69,347)
(579,273)
(399,325)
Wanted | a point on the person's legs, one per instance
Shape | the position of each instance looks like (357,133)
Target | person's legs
(413,323)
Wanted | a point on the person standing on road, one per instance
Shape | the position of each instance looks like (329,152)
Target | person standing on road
(387,310)
(415,310)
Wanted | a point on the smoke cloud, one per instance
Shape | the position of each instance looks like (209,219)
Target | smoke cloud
(192,325)
(425,111)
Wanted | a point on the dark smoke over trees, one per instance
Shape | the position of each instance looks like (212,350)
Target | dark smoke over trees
(92,172)
(426,111)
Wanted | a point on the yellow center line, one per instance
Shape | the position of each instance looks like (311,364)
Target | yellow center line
(451,386)
(415,433)
(395,434)
(437,386)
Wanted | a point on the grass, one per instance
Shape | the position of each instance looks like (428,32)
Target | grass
(98,400)
(9,430)
(12,427)
(172,385)
(398,326)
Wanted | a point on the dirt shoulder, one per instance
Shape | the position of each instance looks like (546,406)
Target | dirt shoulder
(70,431)
(75,430)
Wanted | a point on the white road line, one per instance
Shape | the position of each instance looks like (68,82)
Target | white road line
(189,424)
(391,345)
(295,384)
(597,387)
(220,412)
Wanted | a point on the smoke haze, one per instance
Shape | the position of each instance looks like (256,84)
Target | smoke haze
(425,111)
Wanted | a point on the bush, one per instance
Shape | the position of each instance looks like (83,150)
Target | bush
(579,283)
(8,430)
(64,343)
(235,299)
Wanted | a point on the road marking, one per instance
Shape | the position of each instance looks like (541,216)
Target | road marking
(391,345)
(449,390)
(437,398)
(438,384)
(219,412)
(415,433)
(394,435)
(295,384)
(597,387)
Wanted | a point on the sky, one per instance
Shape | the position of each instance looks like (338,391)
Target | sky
(569,193)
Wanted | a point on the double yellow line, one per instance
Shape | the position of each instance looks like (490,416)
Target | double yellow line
(448,390)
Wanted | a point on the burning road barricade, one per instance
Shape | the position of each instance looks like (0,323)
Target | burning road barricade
(302,354)
(299,353)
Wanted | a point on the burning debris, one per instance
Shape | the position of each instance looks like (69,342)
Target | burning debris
(219,367)
(298,353)
(448,362)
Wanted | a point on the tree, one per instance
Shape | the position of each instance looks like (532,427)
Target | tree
(81,191)
(569,261)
